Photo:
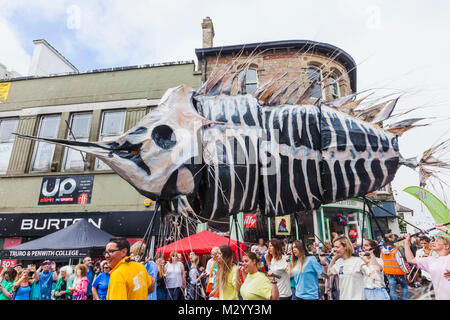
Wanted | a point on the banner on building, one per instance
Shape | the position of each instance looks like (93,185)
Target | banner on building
(283,225)
(119,223)
(250,220)
(45,254)
(66,190)
(4,90)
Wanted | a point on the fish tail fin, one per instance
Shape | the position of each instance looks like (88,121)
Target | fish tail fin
(431,162)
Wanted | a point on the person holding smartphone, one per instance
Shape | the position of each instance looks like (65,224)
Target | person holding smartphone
(22,286)
(374,286)
(7,281)
(45,276)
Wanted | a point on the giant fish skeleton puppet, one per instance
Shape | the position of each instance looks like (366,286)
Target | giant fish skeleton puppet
(217,151)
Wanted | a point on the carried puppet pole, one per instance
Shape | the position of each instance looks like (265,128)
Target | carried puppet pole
(302,233)
(149,230)
(372,216)
(392,214)
(420,232)
(237,236)
(364,220)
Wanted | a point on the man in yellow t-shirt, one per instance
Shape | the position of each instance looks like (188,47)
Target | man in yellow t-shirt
(129,280)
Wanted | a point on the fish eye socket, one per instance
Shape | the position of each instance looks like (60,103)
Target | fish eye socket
(164,137)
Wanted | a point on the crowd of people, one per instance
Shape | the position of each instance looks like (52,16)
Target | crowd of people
(338,269)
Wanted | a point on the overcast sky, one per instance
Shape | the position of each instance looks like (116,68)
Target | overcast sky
(399,46)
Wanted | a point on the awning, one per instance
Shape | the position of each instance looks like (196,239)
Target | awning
(76,241)
(201,243)
(388,206)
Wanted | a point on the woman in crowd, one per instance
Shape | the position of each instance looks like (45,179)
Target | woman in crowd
(100,285)
(65,281)
(326,251)
(374,286)
(256,285)
(278,266)
(436,266)
(423,252)
(306,271)
(211,271)
(161,290)
(80,284)
(227,276)
(193,285)
(137,251)
(22,286)
(7,281)
(175,277)
(350,270)
(97,270)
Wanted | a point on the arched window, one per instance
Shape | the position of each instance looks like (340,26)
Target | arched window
(334,87)
(251,80)
(314,73)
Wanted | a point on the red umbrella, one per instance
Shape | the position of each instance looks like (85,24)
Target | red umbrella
(201,243)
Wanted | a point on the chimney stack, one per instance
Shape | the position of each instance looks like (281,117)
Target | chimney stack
(208,32)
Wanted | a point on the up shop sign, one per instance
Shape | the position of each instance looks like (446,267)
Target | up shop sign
(66,190)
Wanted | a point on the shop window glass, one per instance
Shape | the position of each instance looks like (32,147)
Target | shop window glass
(7,127)
(113,124)
(80,126)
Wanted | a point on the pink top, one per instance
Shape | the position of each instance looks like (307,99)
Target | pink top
(81,289)
(436,266)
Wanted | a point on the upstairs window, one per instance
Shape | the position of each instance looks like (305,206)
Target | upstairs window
(80,126)
(7,127)
(43,152)
(334,87)
(251,80)
(113,124)
(315,74)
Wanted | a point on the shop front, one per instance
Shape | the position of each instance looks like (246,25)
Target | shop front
(24,227)
(344,217)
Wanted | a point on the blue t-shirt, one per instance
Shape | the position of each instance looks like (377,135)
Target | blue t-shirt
(152,270)
(89,275)
(45,283)
(292,279)
(101,285)
(307,282)
(23,293)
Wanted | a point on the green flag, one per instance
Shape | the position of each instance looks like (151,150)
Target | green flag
(437,209)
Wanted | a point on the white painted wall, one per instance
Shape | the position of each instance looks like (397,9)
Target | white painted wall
(46,60)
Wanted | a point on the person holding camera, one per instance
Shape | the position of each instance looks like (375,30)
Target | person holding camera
(22,287)
(7,281)
(45,278)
